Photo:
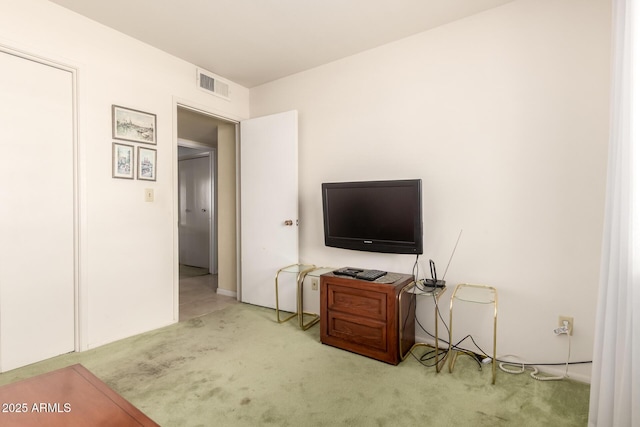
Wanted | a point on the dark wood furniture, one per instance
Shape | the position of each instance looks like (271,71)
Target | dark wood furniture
(71,396)
(364,317)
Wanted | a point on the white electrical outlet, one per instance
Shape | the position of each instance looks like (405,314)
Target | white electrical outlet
(569,323)
(314,284)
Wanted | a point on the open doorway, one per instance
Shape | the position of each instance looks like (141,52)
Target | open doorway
(201,191)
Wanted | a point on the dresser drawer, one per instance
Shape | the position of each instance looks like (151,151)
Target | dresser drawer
(357,330)
(369,304)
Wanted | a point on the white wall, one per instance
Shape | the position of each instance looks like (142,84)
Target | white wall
(504,116)
(128,247)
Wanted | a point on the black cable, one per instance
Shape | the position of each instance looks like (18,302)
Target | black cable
(406,319)
(424,357)
(518,363)
(458,348)
(453,347)
(415,271)
(544,364)
(437,308)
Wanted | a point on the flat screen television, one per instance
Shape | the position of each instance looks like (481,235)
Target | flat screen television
(374,216)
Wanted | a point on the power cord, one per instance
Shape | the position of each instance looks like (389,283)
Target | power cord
(534,374)
(483,358)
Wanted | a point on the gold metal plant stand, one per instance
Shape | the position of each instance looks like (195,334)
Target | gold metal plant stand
(478,294)
(302,270)
(436,293)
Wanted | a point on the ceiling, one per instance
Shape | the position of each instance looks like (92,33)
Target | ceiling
(252,42)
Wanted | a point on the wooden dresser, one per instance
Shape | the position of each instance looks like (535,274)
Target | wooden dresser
(363,317)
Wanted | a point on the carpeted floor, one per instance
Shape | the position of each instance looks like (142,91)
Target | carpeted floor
(238,367)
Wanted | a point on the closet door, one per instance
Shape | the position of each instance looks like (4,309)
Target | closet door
(194,192)
(37,273)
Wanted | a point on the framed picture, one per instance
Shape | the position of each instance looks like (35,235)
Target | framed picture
(123,163)
(133,125)
(147,163)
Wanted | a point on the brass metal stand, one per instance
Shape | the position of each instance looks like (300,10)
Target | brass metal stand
(315,318)
(302,270)
(436,293)
(478,294)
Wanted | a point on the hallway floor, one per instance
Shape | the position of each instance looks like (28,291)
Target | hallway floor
(198,293)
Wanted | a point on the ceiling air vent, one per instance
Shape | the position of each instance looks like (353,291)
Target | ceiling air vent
(212,84)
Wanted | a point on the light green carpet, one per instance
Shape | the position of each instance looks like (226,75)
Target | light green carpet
(238,367)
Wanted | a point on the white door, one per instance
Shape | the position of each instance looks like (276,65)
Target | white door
(37,273)
(195,211)
(268,201)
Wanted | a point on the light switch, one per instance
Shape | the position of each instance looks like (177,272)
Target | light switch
(148,194)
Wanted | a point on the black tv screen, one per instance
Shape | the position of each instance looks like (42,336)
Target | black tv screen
(374,216)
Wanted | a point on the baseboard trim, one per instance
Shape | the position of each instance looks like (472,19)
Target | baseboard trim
(227,292)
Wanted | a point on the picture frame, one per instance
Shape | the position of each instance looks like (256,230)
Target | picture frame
(133,125)
(147,159)
(123,161)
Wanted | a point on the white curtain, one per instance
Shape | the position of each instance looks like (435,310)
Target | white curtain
(615,380)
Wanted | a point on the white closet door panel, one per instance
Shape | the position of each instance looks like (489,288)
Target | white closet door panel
(195,211)
(36,212)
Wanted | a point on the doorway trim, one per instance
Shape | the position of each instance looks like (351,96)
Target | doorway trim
(211,112)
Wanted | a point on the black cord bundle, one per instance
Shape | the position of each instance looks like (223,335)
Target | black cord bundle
(430,355)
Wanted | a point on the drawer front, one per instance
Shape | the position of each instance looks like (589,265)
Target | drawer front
(357,331)
(358,302)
